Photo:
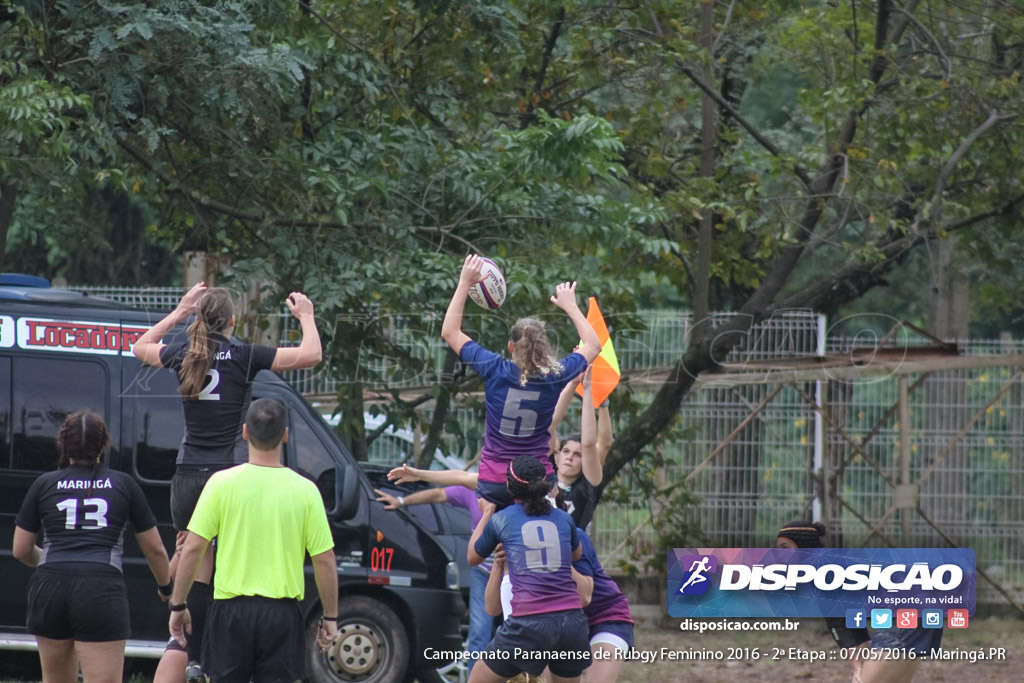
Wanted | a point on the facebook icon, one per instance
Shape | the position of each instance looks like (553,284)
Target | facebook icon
(855,618)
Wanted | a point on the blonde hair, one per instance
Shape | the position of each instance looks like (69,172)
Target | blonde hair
(213,313)
(531,350)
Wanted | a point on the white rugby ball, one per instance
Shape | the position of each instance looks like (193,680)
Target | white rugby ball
(489,293)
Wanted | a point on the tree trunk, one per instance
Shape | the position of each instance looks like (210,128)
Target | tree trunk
(8,196)
(944,494)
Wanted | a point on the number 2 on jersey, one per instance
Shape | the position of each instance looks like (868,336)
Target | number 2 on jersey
(545,550)
(98,516)
(207,393)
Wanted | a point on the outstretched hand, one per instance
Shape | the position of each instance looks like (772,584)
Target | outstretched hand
(188,302)
(299,304)
(472,270)
(403,475)
(390,502)
(565,296)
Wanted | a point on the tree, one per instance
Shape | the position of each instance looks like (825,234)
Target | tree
(356,149)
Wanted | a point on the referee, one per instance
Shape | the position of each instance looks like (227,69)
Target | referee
(265,517)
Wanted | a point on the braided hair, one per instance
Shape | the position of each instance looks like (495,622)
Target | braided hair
(527,482)
(805,534)
(83,436)
(213,313)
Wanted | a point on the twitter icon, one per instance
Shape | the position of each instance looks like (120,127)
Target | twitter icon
(881,618)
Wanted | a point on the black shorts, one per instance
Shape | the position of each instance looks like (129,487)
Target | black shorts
(72,600)
(560,638)
(497,491)
(186,485)
(253,638)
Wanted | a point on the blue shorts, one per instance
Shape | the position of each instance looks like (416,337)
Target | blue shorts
(557,640)
(920,640)
(622,629)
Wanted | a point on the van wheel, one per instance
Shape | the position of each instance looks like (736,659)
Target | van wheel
(372,646)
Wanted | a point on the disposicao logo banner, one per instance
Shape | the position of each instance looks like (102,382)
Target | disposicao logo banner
(818,582)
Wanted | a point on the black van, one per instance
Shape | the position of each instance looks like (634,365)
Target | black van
(61,351)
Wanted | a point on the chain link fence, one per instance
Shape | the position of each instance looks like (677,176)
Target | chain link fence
(768,475)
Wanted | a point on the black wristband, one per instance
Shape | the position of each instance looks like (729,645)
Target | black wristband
(179,608)
(329,618)
(166,590)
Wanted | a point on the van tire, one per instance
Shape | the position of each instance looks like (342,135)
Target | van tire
(372,646)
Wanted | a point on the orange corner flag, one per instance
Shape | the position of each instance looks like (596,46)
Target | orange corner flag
(605,375)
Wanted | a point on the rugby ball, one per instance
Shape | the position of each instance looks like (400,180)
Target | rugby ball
(490,292)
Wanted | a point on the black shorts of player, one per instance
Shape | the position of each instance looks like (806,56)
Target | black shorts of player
(84,601)
(497,491)
(622,629)
(186,485)
(563,637)
(253,638)
(920,640)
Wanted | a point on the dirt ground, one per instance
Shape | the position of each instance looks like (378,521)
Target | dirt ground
(812,637)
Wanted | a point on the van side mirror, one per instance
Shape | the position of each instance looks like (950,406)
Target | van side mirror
(346,493)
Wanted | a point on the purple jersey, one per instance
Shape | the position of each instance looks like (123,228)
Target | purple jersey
(461,497)
(608,602)
(517,416)
(538,552)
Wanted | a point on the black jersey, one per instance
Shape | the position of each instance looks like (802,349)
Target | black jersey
(581,496)
(83,516)
(213,421)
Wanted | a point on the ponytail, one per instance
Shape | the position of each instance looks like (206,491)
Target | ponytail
(213,313)
(531,351)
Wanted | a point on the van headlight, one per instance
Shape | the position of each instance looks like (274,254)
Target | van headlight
(451,575)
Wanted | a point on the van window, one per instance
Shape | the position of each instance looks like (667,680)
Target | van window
(158,422)
(305,452)
(45,392)
(5,412)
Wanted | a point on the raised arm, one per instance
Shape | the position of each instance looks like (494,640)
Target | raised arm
(561,408)
(591,460)
(451,328)
(492,594)
(406,474)
(147,348)
(565,298)
(472,556)
(309,351)
(604,431)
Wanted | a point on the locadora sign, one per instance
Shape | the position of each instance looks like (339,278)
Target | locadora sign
(75,336)
(819,582)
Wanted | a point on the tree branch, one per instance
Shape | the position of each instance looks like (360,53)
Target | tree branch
(538,85)
(736,116)
(951,164)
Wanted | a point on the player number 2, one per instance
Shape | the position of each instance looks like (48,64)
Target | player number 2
(207,393)
(545,550)
(98,516)
(516,420)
